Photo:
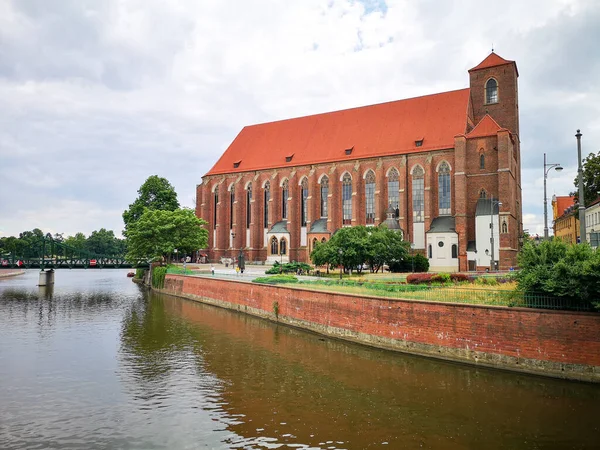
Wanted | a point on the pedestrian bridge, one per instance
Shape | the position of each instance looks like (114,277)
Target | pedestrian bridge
(47,253)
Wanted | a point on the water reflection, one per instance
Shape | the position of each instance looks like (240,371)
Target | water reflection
(100,363)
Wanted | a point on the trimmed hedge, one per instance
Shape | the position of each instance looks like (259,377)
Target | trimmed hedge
(277,279)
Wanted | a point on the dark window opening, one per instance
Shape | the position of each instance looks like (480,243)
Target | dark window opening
(303,204)
(347,199)
(419,143)
(482,161)
(429,251)
(283,247)
(454,251)
(348,151)
(231,200)
(267,197)
(324,196)
(284,199)
(215,209)
(491,91)
(248,206)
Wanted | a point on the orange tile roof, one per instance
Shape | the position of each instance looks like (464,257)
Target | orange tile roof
(486,127)
(562,203)
(370,131)
(492,60)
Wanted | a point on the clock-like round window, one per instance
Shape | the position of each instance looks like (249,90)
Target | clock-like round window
(441,244)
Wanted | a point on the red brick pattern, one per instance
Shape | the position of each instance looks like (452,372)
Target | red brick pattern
(554,336)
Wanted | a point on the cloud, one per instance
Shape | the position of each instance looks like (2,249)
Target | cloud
(97,96)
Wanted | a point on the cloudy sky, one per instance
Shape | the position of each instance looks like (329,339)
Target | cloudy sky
(96,95)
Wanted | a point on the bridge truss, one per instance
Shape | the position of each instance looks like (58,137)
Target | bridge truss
(47,253)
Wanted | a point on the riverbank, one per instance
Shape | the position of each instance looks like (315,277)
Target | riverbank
(5,273)
(559,344)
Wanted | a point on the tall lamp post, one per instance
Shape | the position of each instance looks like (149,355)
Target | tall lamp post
(581,198)
(547,168)
(492,203)
(340,252)
(412,256)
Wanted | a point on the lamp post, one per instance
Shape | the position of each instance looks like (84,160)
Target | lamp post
(412,256)
(547,168)
(340,252)
(232,254)
(175,251)
(581,198)
(492,203)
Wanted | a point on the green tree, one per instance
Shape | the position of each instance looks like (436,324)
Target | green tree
(385,246)
(78,241)
(157,233)
(102,242)
(155,194)
(561,270)
(591,178)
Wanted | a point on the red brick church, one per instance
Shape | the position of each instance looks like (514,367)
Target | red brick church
(446,166)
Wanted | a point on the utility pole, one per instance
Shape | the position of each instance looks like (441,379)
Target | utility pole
(582,236)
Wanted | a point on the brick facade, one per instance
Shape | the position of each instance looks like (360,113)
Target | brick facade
(555,343)
(490,132)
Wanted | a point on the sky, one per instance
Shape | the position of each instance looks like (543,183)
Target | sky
(95,96)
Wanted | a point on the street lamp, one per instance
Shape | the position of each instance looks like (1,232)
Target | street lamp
(175,251)
(340,252)
(581,198)
(231,247)
(412,256)
(547,168)
(492,203)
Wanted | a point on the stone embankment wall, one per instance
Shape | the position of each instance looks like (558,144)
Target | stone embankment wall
(553,343)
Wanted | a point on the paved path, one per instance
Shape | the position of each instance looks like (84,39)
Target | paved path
(5,273)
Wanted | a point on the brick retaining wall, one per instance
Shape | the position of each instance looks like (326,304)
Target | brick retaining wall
(554,343)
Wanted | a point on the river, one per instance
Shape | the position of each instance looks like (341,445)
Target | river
(98,362)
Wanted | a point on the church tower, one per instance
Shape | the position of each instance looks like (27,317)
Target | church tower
(494,91)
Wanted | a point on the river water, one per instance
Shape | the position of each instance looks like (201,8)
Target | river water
(100,363)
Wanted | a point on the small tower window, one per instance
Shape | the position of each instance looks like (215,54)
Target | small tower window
(482,193)
(491,91)
(482,161)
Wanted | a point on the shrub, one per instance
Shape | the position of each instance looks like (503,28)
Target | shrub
(292,267)
(441,278)
(405,265)
(488,281)
(278,279)
(139,274)
(158,277)
(459,277)
(562,270)
(418,278)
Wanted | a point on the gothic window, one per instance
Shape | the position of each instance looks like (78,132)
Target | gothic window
(454,251)
(430,251)
(303,205)
(324,195)
(284,197)
(491,91)
(482,193)
(504,226)
(283,247)
(482,161)
(248,205)
(274,246)
(314,244)
(267,197)
(231,200)
(323,240)
(370,197)
(394,191)
(347,199)
(418,194)
(444,188)
(215,208)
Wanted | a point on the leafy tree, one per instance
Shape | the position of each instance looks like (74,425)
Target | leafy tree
(78,241)
(102,242)
(559,269)
(157,233)
(385,246)
(155,194)
(591,178)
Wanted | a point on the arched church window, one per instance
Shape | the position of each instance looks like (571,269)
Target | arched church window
(324,195)
(418,194)
(394,191)
(347,199)
(430,251)
(267,197)
(370,197)
(215,208)
(482,193)
(491,91)
(482,161)
(454,251)
(303,205)
(444,188)
(231,201)
(283,246)
(284,198)
(248,205)
(314,243)
(274,246)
